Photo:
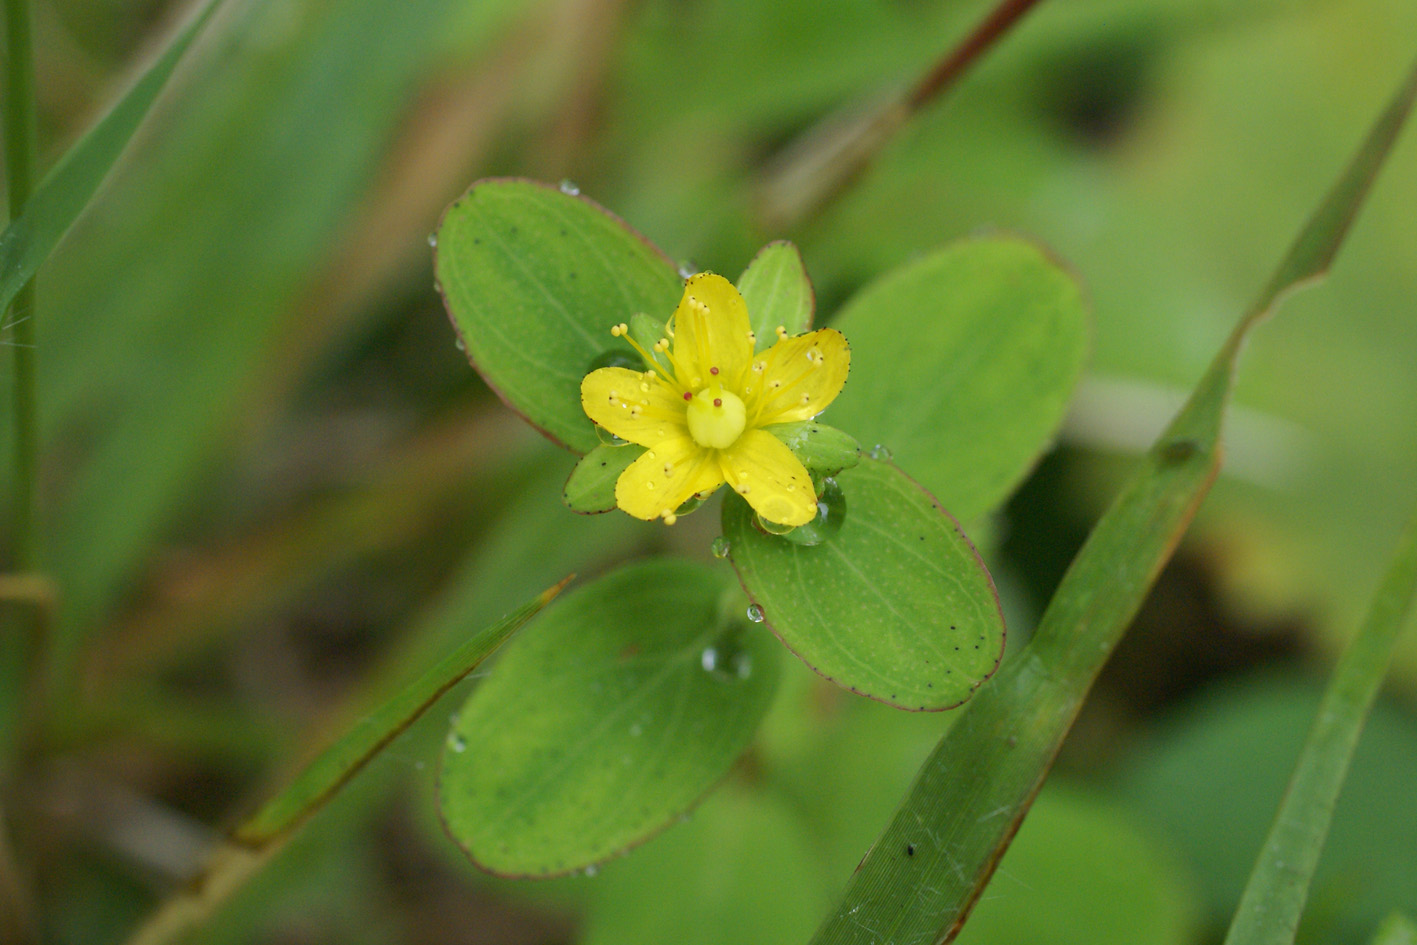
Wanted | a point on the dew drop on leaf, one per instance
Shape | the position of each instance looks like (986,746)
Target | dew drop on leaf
(569,188)
(755,613)
(608,438)
(719,547)
(881,452)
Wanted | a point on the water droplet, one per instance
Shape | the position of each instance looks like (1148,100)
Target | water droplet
(432,239)
(608,438)
(457,743)
(881,452)
(773,528)
(831,512)
(461,345)
(687,269)
(755,613)
(569,188)
(727,661)
(719,547)
(591,870)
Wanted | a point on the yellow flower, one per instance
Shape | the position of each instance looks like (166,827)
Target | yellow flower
(701,407)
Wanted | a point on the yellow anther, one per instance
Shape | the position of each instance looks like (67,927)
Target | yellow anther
(781,332)
(669,517)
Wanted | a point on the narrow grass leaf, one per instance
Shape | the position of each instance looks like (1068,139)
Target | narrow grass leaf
(341,761)
(973,791)
(1274,897)
(67,190)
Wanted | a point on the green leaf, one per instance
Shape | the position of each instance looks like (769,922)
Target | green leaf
(329,772)
(1214,772)
(631,699)
(744,869)
(896,605)
(962,364)
(777,291)
(66,191)
(1015,726)
(591,487)
(534,279)
(1396,929)
(1274,897)
(824,450)
(1081,872)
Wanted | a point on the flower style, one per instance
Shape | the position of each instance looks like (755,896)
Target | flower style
(701,407)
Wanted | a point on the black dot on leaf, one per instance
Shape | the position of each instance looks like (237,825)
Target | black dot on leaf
(910,849)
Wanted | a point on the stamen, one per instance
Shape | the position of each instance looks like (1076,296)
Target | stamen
(669,517)
(781,332)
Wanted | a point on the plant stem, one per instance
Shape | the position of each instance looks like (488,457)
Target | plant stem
(20,133)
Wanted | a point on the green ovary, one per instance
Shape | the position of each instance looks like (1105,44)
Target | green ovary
(716,420)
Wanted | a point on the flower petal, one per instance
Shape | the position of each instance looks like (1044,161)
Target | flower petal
(663,479)
(711,330)
(633,406)
(799,378)
(763,470)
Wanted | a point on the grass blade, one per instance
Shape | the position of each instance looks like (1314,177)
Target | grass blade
(344,759)
(234,862)
(66,191)
(1274,897)
(973,791)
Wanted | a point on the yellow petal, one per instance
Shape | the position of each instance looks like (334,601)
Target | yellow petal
(711,330)
(633,406)
(663,478)
(766,473)
(799,377)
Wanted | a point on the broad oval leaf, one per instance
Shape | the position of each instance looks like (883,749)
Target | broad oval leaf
(777,291)
(534,279)
(896,605)
(963,364)
(607,721)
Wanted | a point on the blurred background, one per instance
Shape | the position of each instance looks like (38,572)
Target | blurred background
(273,488)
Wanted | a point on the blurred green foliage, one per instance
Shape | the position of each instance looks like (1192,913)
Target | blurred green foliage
(272,487)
